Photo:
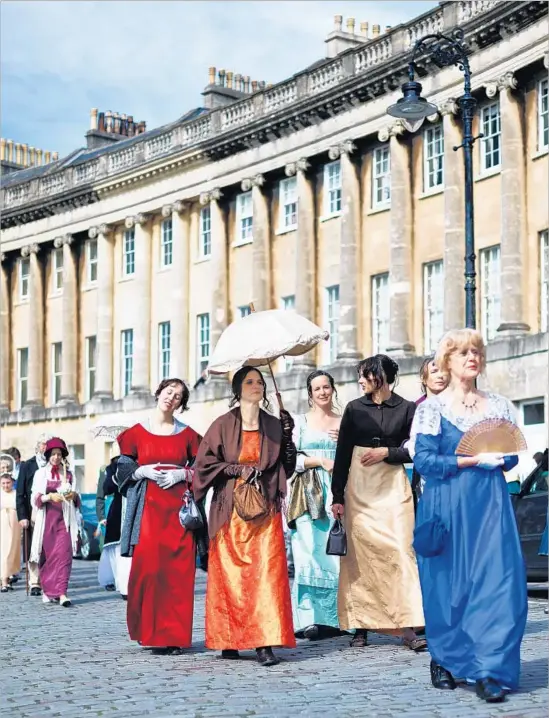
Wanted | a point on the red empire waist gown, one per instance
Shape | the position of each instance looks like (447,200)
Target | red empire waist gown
(161,584)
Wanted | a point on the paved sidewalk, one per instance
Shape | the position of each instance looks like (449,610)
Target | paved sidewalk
(79,662)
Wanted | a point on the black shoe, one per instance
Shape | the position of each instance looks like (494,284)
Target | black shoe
(167,651)
(35,591)
(266,657)
(66,602)
(312,633)
(441,678)
(124,596)
(360,639)
(13,579)
(230,654)
(4,589)
(490,690)
(110,587)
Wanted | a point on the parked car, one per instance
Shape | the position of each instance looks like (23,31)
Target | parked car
(89,545)
(530,505)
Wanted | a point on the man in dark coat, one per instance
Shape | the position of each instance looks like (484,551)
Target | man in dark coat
(24,508)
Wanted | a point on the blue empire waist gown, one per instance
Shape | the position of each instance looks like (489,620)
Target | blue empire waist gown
(314,590)
(474,591)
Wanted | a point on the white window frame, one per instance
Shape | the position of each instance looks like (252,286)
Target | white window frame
(126,361)
(24,278)
(57,273)
(288,304)
(92,261)
(78,465)
(544,277)
(128,252)
(490,147)
(332,189)
(543,114)
(166,243)
(164,350)
(22,379)
(381,177)
(490,291)
(380,312)
(433,304)
(287,204)
(56,372)
(90,366)
(331,311)
(433,158)
(203,339)
(205,232)
(244,218)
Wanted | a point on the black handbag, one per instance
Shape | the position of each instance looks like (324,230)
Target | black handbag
(189,514)
(337,540)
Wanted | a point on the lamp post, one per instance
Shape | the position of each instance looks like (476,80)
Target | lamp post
(412,109)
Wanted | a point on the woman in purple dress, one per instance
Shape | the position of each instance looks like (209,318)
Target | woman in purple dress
(55,531)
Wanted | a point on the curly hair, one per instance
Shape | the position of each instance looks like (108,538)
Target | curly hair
(458,340)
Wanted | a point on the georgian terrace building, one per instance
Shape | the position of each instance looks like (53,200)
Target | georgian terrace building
(123,262)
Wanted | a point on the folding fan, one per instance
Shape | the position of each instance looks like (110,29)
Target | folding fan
(492,435)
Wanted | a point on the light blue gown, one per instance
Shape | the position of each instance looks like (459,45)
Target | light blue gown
(474,592)
(314,590)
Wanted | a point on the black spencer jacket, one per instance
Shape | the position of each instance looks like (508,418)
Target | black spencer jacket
(24,489)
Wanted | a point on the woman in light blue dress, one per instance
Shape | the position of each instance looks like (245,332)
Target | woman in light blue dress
(471,568)
(314,590)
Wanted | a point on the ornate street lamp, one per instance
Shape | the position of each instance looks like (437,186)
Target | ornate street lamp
(412,109)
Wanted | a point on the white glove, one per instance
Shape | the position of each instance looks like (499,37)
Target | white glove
(149,472)
(489,460)
(173,477)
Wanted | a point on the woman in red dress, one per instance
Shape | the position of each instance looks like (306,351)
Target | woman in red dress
(161,584)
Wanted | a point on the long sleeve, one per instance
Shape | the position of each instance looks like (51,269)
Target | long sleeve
(209,468)
(288,455)
(100,497)
(344,454)
(424,445)
(400,454)
(22,499)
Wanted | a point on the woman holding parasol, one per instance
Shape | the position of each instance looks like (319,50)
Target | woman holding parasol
(471,567)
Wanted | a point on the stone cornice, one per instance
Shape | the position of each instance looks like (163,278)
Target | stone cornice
(59,242)
(355,76)
(508,81)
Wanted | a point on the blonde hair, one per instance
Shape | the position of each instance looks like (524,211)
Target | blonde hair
(457,340)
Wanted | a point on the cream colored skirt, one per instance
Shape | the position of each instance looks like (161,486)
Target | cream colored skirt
(379,582)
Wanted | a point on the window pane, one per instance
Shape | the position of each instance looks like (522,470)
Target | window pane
(534,414)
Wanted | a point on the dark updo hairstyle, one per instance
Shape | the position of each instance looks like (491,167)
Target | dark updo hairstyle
(185,393)
(238,380)
(378,370)
(314,375)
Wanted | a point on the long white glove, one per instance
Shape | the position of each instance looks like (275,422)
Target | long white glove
(489,460)
(149,472)
(173,477)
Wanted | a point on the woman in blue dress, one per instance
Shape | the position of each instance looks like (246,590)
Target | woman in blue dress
(472,572)
(314,590)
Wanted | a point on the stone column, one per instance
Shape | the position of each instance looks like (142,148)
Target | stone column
(349,257)
(261,281)
(220,263)
(179,297)
(400,239)
(5,339)
(454,220)
(141,380)
(305,282)
(513,207)
(105,291)
(35,392)
(69,364)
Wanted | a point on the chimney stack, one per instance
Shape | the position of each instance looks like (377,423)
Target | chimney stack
(388,28)
(211,76)
(54,156)
(93,118)
(47,157)
(229,79)
(376,30)
(338,21)
(351,25)
(364,29)
(39,158)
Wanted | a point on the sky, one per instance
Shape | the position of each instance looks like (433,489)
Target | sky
(150,58)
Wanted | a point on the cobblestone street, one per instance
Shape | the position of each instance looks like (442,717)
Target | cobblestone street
(79,662)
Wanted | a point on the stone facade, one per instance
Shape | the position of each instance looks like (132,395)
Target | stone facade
(131,260)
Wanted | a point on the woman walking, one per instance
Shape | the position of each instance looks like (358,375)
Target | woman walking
(55,535)
(10,533)
(379,585)
(433,381)
(473,580)
(154,472)
(314,590)
(248,601)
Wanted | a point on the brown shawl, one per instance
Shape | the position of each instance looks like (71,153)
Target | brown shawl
(220,448)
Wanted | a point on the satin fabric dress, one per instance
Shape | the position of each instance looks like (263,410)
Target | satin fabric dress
(161,584)
(474,591)
(248,602)
(314,589)
(10,536)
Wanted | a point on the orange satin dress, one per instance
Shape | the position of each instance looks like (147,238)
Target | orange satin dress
(248,602)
